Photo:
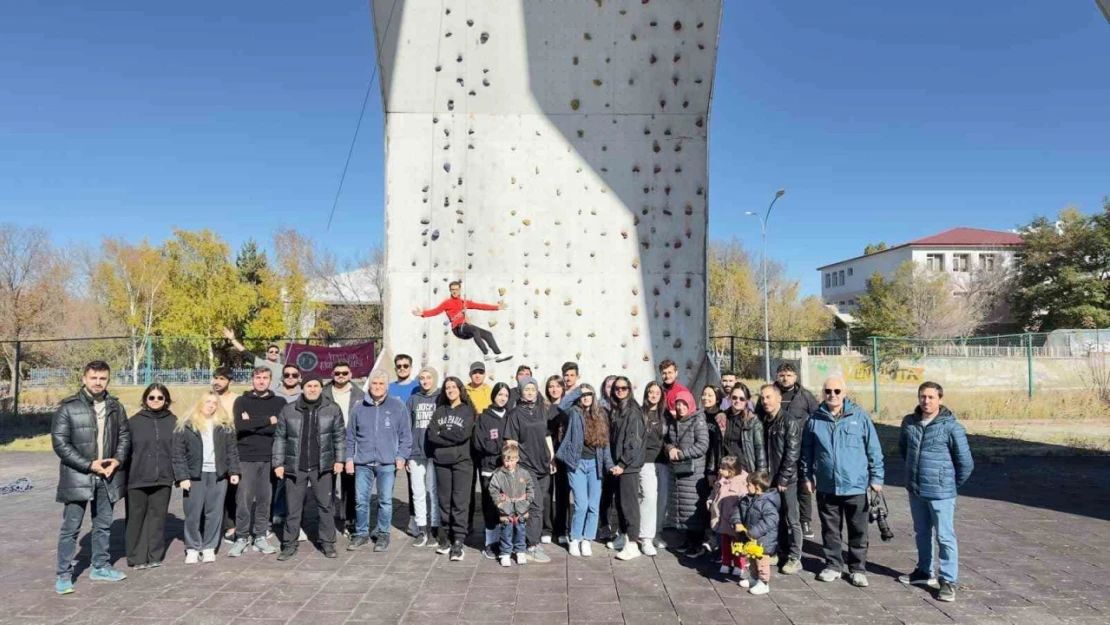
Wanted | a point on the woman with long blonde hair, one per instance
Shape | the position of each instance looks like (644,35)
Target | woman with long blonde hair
(205,457)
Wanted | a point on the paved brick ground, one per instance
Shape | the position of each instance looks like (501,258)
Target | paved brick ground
(1034,537)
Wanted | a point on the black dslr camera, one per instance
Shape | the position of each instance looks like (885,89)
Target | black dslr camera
(877,515)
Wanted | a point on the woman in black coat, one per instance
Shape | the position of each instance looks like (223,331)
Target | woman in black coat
(151,478)
(742,434)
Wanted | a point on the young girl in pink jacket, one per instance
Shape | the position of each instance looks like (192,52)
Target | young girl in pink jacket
(732,484)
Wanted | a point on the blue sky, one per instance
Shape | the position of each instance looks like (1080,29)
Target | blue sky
(882,120)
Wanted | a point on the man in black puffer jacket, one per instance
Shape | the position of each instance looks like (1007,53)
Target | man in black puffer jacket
(784,446)
(627,443)
(310,445)
(92,437)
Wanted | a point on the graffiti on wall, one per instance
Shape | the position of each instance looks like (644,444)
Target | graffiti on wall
(893,372)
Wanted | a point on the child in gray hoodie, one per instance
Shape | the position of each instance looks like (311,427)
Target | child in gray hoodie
(511,487)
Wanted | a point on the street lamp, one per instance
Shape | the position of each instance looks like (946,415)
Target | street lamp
(763,261)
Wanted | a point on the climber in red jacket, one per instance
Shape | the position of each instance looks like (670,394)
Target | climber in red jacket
(455,307)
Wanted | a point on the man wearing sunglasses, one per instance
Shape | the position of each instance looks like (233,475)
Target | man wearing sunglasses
(841,460)
(272,361)
(346,395)
(403,387)
(290,387)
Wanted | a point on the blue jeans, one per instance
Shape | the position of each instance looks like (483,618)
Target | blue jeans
(936,515)
(100,537)
(586,487)
(513,537)
(364,486)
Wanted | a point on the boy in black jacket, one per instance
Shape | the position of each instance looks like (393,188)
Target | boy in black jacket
(256,414)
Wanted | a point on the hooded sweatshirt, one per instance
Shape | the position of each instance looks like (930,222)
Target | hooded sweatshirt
(449,434)
(488,439)
(527,425)
(421,406)
(255,430)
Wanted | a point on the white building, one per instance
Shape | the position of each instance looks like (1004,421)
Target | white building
(959,250)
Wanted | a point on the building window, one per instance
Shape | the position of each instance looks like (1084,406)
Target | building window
(851,302)
(841,277)
(828,280)
(849,271)
(961,263)
(988,262)
(935,262)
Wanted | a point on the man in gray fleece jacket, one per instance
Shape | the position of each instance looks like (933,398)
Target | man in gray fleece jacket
(511,487)
(379,438)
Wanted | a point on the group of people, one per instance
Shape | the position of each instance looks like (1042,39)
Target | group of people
(558,461)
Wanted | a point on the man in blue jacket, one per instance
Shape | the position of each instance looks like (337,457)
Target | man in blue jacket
(379,440)
(938,461)
(841,459)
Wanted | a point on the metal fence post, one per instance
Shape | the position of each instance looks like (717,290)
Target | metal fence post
(732,353)
(1029,359)
(875,372)
(148,375)
(15,378)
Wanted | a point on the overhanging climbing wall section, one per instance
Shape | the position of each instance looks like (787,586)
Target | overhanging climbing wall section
(552,155)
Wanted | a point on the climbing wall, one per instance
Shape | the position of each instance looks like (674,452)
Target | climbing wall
(552,155)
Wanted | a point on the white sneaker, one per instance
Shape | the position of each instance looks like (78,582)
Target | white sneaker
(631,551)
(586,549)
(574,549)
(760,588)
(208,555)
(506,560)
(303,537)
(725,569)
(648,548)
(192,556)
(745,583)
(522,558)
(488,357)
(545,540)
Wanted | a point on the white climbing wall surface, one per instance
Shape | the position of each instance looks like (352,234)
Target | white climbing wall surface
(552,155)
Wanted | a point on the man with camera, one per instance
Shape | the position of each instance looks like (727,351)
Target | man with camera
(938,461)
(841,460)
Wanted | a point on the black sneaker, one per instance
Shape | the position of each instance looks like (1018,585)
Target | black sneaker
(490,552)
(382,544)
(457,551)
(421,540)
(947,591)
(374,534)
(287,552)
(918,578)
(442,546)
(807,531)
(329,551)
(358,542)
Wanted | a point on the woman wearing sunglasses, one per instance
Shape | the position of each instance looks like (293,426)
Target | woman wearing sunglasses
(151,478)
(742,433)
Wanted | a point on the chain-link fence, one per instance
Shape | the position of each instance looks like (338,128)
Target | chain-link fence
(51,369)
(883,373)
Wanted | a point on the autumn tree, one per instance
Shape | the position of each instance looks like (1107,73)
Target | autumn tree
(354,289)
(1064,272)
(33,283)
(204,291)
(265,319)
(736,301)
(296,258)
(874,248)
(129,282)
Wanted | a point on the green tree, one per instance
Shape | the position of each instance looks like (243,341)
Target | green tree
(920,303)
(251,263)
(1064,272)
(205,293)
(874,248)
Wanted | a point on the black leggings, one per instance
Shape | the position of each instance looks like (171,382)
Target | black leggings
(481,336)
(454,487)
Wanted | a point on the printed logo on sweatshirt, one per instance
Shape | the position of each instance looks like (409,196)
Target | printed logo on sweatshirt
(450,421)
(423,415)
(494,435)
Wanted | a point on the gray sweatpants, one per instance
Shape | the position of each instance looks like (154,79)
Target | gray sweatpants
(204,501)
(252,507)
